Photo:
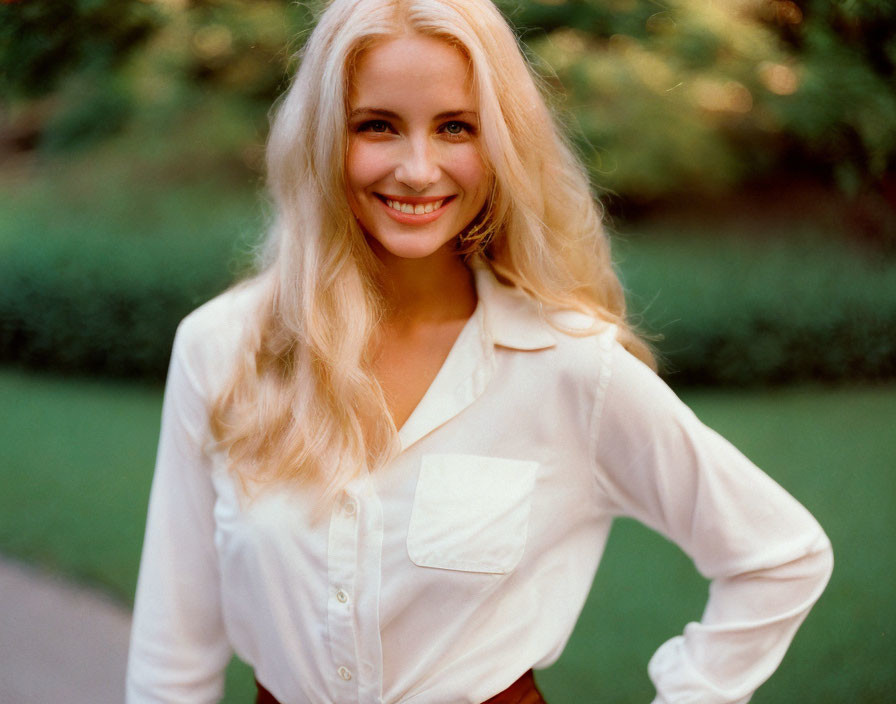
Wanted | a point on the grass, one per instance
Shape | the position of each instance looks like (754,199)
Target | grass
(76,470)
(77,460)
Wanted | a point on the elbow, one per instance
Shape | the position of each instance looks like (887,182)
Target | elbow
(824,559)
(814,569)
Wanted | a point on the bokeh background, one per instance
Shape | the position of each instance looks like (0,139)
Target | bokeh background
(744,152)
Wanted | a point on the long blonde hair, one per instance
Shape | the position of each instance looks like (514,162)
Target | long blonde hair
(302,404)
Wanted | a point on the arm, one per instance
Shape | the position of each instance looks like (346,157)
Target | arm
(767,557)
(178,648)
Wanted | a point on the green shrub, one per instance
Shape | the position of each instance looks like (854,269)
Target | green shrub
(92,110)
(734,311)
(80,293)
(96,277)
(102,308)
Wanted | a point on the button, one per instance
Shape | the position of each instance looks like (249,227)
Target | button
(367,669)
(351,508)
(341,596)
(344,673)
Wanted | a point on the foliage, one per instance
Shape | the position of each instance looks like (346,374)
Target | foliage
(99,281)
(685,94)
(145,65)
(842,115)
(102,288)
(96,272)
(737,311)
(662,97)
(42,43)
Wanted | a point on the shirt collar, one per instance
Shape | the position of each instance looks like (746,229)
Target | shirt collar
(504,316)
(510,317)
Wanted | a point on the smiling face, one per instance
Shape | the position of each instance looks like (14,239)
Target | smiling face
(414,172)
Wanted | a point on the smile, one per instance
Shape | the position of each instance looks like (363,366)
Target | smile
(414,209)
(417,209)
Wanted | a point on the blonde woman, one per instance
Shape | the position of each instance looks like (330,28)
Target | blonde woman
(389,462)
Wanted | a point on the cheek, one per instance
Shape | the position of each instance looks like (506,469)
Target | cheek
(469,170)
(365,164)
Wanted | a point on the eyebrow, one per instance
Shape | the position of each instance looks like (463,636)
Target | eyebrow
(447,115)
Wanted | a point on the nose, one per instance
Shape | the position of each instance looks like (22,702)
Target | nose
(418,167)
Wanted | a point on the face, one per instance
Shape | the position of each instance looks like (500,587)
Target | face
(414,172)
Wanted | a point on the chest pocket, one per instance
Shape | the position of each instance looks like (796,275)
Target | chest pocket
(471,513)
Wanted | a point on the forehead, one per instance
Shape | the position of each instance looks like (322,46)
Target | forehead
(397,70)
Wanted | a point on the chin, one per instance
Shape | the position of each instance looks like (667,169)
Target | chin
(411,247)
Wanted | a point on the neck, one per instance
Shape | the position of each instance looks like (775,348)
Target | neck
(435,288)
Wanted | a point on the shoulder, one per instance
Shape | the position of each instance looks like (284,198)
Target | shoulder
(576,359)
(583,340)
(224,316)
(517,320)
(638,408)
(209,339)
(631,382)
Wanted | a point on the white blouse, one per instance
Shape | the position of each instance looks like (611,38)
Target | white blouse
(445,575)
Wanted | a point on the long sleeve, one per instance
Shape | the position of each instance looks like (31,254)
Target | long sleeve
(178,648)
(766,556)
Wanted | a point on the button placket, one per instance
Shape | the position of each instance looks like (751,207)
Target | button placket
(342,572)
(365,604)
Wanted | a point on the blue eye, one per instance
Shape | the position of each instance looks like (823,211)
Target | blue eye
(378,126)
(456,128)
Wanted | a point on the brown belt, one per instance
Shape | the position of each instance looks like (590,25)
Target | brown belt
(523,691)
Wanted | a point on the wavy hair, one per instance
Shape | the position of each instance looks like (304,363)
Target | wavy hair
(302,404)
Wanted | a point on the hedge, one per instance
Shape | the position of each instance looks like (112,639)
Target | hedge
(738,311)
(102,288)
(110,310)
(732,312)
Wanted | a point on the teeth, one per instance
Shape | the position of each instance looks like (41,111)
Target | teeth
(414,209)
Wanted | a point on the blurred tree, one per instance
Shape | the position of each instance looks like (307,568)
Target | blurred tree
(843,115)
(43,42)
(97,63)
(664,97)
(210,74)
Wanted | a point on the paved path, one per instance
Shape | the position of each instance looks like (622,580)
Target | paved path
(59,644)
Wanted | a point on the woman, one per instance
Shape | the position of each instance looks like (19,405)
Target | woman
(389,462)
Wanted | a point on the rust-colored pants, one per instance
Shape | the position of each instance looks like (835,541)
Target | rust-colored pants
(523,691)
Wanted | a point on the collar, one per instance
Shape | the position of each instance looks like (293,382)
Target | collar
(504,316)
(510,317)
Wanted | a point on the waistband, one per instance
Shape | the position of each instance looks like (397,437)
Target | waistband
(523,691)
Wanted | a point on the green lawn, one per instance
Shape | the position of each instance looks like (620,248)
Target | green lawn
(77,458)
(835,450)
